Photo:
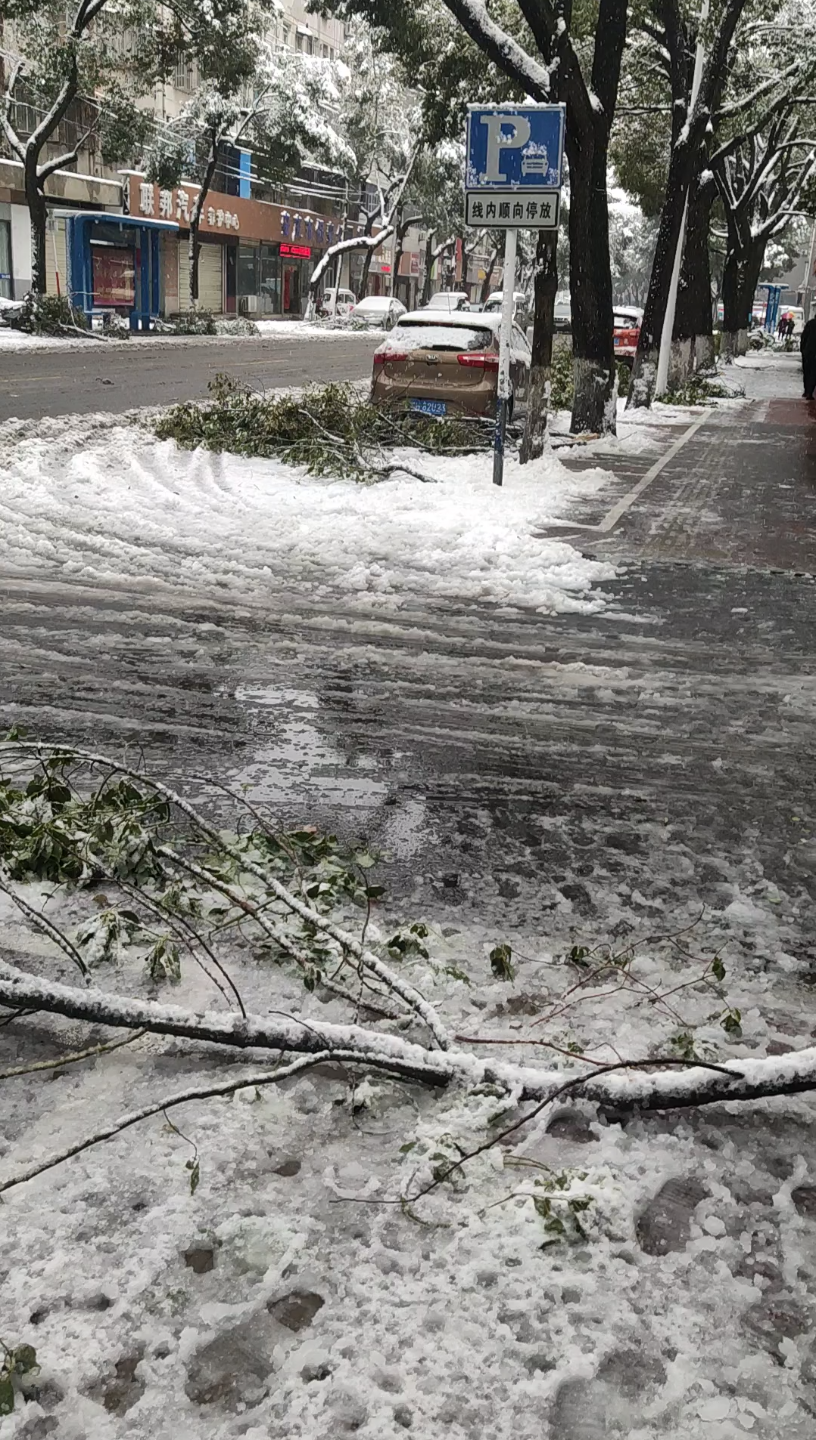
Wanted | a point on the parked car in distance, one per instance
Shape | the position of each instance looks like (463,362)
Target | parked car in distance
(378,312)
(337,302)
(626,332)
(522,309)
(562,317)
(448,300)
(447,364)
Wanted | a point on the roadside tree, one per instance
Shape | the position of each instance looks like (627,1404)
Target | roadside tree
(283,115)
(87,65)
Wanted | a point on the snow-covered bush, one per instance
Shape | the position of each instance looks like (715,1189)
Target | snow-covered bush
(193,322)
(48,315)
(236,325)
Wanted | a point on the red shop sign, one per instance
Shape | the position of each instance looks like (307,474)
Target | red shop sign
(301,252)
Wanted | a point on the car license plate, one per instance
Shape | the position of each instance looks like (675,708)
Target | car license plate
(430,407)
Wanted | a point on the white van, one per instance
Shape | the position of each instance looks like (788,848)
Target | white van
(447,300)
(337,302)
(522,309)
(562,316)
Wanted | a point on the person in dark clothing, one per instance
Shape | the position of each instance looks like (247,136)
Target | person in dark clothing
(807,345)
(790,327)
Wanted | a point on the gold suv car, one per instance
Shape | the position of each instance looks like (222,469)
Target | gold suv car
(441,364)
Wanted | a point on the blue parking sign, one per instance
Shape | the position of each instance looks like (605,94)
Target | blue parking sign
(514,147)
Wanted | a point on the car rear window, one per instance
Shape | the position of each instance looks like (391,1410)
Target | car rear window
(415,336)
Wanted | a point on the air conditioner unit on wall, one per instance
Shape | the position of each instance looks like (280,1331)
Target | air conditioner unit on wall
(248,304)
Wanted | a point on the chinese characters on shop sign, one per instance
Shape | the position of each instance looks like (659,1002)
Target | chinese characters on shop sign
(178,206)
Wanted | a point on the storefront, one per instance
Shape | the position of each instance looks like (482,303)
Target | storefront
(256,257)
(113,264)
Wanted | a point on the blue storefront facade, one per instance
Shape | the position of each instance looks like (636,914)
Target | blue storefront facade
(114,264)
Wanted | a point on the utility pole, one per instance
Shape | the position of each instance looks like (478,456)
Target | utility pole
(808,277)
(664,357)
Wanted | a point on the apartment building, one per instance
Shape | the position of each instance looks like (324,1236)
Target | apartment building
(260,242)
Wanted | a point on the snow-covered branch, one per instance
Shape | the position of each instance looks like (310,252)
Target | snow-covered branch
(502,48)
(347,942)
(629,1086)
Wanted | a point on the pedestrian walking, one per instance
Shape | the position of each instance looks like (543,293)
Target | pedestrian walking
(790,327)
(807,346)
(781,328)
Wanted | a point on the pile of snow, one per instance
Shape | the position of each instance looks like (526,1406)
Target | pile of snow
(11,339)
(431,336)
(112,503)
(305,330)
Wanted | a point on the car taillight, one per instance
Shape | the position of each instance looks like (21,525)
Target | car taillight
(479,359)
(385,357)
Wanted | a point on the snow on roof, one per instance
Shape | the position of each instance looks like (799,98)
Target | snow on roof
(475,319)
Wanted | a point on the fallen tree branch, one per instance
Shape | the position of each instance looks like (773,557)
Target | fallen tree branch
(202,1092)
(648,1089)
(43,924)
(407,992)
(71,1059)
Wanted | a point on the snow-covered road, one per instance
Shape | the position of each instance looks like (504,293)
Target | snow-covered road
(97,502)
(623,765)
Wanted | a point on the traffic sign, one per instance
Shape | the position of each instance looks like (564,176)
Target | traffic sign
(515,147)
(513,176)
(527,209)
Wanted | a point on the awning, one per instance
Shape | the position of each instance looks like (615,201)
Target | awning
(107,217)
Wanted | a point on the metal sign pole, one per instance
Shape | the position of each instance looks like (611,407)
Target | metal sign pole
(505,336)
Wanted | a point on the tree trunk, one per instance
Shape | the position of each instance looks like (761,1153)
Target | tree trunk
(644,371)
(538,395)
(590,283)
(37,213)
(429,262)
(397,260)
(740,275)
(194,244)
(693,341)
(194,253)
(750,279)
(367,259)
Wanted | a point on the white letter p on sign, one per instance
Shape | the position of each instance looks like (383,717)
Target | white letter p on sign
(497,140)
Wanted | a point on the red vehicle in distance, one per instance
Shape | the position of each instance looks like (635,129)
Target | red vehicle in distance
(626,332)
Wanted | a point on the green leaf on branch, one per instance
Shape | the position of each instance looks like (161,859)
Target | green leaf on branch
(501,957)
(6,1394)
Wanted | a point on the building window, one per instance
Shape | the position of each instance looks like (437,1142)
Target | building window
(270,281)
(247,277)
(5,260)
(184,78)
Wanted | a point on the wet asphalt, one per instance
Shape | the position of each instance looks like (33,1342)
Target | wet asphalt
(584,776)
(120,376)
